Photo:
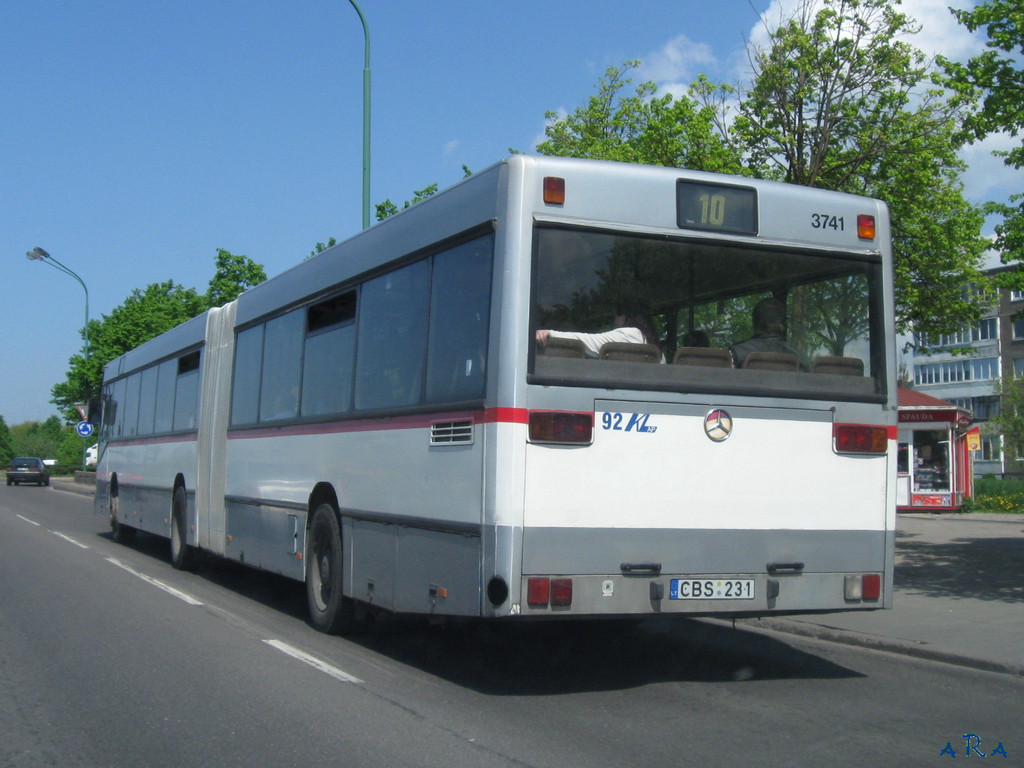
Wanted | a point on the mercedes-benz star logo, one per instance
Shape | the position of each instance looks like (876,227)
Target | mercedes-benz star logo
(718,425)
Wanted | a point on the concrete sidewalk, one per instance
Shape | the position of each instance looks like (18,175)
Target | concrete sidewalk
(959,593)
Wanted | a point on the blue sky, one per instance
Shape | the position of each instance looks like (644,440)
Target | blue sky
(138,138)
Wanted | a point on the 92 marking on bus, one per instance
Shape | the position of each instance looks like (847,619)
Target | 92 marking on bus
(622,422)
(711,589)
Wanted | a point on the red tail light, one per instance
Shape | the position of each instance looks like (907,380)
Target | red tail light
(561,593)
(866,227)
(866,586)
(542,591)
(871,585)
(538,592)
(860,438)
(561,427)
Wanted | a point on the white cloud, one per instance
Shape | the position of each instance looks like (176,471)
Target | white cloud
(940,31)
(988,177)
(677,64)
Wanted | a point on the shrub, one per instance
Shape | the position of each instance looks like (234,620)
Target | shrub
(994,495)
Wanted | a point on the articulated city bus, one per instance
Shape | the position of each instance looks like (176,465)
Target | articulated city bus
(561,388)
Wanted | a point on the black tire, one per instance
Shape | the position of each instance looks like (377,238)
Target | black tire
(182,556)
(329,610)
(121,533)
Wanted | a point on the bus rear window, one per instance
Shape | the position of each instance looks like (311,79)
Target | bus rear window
(711,316)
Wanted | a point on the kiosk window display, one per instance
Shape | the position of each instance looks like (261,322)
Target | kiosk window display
(934,469)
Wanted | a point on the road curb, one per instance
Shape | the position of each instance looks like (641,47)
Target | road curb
(69,485)
(918,650)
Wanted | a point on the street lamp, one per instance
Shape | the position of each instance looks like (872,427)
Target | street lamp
(366,117)
(38,254)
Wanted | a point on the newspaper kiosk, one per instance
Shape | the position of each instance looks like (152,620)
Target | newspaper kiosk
(934,466)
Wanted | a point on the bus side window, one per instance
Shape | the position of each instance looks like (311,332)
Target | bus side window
(329,357)
(130,411)
(186,392)
(245,388)
(147,400)
(459,318)
(392,338)
(165,380)
(282,356)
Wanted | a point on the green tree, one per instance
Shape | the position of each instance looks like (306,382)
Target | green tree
(52,429)
(321,247)
(644,127)
(1009,422)
(840,101)
(144,314)
(996,79)
(6,443)
(35,439)
(232,276)
(388,208)
(71,450)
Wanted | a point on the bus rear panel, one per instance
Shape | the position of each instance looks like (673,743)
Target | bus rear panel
(678,478)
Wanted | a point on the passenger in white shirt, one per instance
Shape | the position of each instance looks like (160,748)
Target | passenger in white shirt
(625,330)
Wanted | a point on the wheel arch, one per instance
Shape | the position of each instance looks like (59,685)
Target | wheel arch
(322,493)
(179,481)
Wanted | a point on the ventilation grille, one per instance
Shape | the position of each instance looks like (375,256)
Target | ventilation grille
(451,432)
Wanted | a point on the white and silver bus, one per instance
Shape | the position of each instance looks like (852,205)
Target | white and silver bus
(544,392)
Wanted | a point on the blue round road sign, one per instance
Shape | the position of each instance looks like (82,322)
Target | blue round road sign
(84,428)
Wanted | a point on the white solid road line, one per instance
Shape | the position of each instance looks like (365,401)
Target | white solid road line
(159,584)
(295,653)
(305,658)
(78,544)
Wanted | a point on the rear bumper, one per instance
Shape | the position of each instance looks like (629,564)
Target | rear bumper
(623,595)
(26,477)
(633,571)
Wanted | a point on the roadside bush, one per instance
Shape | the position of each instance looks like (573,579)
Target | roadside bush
(994,495)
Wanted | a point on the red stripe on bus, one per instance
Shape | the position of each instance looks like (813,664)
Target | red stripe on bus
(385,423)
(506,416)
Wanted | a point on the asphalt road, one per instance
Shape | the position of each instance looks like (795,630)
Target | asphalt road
(109,657)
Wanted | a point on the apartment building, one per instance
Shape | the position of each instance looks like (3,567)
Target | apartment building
(964,368)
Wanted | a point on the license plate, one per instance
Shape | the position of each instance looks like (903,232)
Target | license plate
(711,589)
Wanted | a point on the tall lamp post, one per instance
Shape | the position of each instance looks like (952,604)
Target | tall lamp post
(366,117)
(38,254)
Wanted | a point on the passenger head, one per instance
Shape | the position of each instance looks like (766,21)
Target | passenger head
(696,338)
(769,316)
(645,326)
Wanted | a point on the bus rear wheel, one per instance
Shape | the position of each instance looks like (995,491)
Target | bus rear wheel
(181,552)
(329,610)
(122,534)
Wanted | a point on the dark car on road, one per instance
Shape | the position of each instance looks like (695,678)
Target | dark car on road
(28,470)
